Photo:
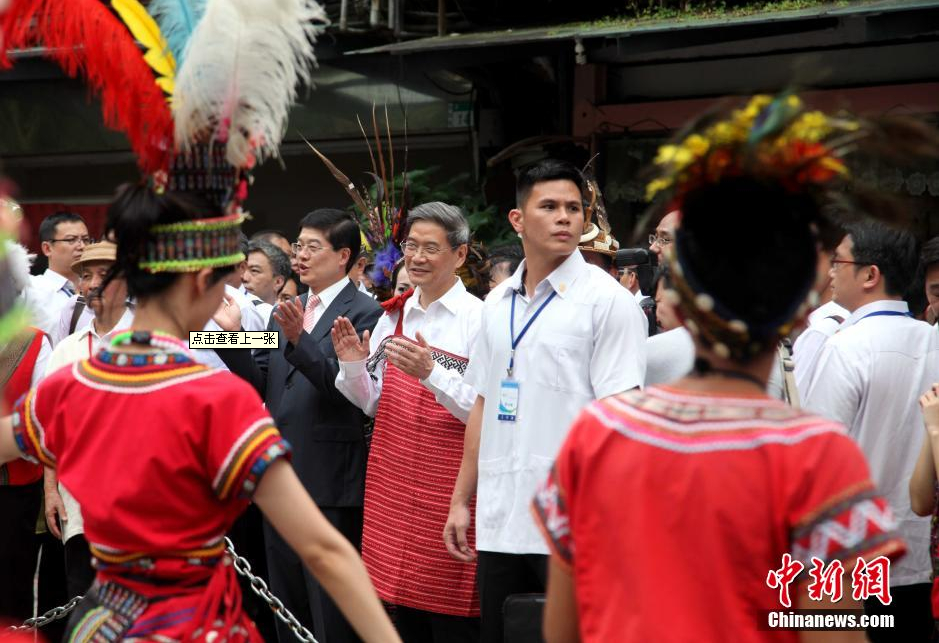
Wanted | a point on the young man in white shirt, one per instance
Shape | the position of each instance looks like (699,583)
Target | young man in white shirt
(556,335)
(63,237)
(408,374)
(111,314)
(869,377)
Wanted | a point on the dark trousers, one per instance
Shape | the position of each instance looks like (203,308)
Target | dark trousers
(79,574)
(247,535)
(912,615)
(420,626)
(293,584)
(501,575)
(19,548)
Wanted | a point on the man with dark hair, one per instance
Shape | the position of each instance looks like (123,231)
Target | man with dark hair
(556,335)
(869,377)
(503,262)
(929,264)
(63,236)
(298,383)
(275,237)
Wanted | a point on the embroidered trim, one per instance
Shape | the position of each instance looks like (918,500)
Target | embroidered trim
(551,513)
(449,361)
(188,246)
(868,522)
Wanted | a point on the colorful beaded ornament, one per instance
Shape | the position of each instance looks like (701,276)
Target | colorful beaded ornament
(188,246)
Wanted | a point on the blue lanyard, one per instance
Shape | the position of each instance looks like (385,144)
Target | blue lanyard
(516,340)
(885,313)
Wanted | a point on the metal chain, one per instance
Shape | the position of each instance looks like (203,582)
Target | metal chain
(259,587)
(52,615)
(242,566)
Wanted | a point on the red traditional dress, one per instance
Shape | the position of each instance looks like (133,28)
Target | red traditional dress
(163,454)
(415,456)
(671,508)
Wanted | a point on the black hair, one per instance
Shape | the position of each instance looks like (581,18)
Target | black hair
(134,210)
(267,235)
(510,253)
(929,255)
(543,171)
(761,281)
(280,262)
(893,251)
(295,278)
(51,222)
(339,228)
(661,273)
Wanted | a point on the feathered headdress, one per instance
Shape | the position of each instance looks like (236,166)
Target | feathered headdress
(597,235)
(201,88)
(776,141)
(385,214)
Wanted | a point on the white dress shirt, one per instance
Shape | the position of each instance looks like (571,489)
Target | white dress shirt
(669,356)
(251,320)
(78,346)
(42,362)
(869,377)
(588,342)
(808,345)
(45,297)
(450,324)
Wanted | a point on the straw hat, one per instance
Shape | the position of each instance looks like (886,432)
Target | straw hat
(101,251)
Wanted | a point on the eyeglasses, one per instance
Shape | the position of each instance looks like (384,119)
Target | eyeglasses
(661,241)
(73,240)
(836,262)
(312,248)
(410,249)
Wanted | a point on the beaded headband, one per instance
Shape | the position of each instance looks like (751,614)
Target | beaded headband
(188,246)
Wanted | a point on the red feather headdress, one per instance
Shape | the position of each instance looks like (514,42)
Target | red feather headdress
(86,39)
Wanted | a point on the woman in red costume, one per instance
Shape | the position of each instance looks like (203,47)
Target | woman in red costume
(164,453)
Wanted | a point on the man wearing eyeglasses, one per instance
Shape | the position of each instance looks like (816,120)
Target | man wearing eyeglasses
(63,236)
(664,233)
(298,383)
(869,377)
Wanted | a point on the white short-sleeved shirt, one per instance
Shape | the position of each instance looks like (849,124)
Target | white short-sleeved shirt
(823,323)
(588,343)
(670,356)
(251,320)
(869,377)
(46,296)
(449,324)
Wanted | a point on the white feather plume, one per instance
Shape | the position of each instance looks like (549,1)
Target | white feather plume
(18,262)
(241,72)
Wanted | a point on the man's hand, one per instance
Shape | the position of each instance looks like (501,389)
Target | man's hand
(55,507)
(289,315)
(346,343)
(454,533)
(413,359)
(228,315)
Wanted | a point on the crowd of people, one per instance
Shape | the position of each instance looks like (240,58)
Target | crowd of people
(423,456)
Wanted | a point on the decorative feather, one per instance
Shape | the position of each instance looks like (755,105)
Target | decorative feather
(344,181)
(240,75)
(177,20)
(385,207)
(86,39)
(391,159)
(147,32)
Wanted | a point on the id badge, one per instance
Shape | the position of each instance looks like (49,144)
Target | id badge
(508,400)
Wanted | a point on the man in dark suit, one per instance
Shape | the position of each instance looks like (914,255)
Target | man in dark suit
(297,382)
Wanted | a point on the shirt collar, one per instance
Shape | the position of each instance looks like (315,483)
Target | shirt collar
(55,278)
(327,295)
(876,306)
(450,300)
(560,278)
(125,322)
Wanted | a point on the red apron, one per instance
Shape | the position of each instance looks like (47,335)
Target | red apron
(23,352)
(417,447)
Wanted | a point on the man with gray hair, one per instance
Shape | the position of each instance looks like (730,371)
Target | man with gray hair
(409,375)
(266,271)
